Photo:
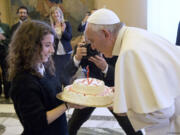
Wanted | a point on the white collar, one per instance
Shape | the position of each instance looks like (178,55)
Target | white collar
(117,45)
(41,69)
(20,21)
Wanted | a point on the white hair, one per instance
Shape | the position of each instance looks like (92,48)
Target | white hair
(113,28)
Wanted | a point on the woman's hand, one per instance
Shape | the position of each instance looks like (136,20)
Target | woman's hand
(70,105)
(63,26)
(112,89)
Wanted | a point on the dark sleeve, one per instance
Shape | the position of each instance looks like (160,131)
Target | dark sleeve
(178,35)
(7,34)
(13,29)
(67,34)
(29,107)
(70,68)
(81,27)
(109,77)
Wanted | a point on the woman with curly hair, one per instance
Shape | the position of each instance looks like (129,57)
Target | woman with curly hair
(34,85)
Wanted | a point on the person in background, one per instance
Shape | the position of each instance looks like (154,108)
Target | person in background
(63,49)
(147,72)
(22,13)
(82,25)
(34,85)
(101,68)
(4,41)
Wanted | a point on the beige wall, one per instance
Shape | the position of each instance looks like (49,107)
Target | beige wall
(5,10)
(131,12)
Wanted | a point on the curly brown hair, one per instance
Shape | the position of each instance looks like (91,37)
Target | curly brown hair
(25,49)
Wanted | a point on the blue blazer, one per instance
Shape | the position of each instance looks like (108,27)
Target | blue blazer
(65,39)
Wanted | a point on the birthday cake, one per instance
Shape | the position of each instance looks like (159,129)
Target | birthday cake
(88,92)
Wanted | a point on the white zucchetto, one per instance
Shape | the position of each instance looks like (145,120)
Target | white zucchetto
(103,16)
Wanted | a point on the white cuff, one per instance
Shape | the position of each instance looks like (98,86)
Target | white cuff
(83,23)
(76,62)
(105,70)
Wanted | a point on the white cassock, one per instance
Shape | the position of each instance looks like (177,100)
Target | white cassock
(147,80)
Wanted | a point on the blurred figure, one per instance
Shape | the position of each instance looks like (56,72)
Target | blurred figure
(4,41)
(63,49)
(34,85)
(82,25)
(22,13)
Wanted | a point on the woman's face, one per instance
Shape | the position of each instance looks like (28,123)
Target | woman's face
(56,16)
(47,47)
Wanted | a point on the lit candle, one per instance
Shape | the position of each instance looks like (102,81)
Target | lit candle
(87,68)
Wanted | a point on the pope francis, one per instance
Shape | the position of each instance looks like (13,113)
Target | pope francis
(147,72)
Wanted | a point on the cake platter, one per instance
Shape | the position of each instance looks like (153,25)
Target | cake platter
(62,97)
(89,92)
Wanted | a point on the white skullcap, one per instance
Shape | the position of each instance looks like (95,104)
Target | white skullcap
(103,16)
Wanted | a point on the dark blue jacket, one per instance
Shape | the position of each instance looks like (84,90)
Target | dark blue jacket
(65,39)
(4,43)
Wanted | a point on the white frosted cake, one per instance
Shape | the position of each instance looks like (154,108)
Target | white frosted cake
(88,86)
(88,92)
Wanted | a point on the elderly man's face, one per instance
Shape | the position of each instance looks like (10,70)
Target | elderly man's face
(99,41)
